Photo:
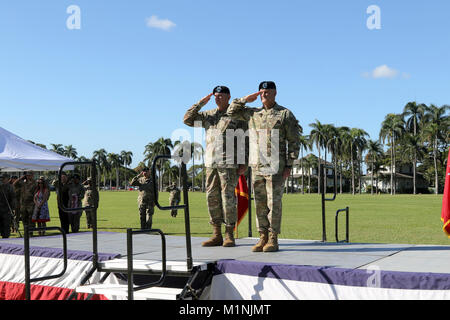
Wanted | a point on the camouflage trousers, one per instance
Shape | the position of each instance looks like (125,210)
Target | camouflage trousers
(146,211)
(26,213)
(268,191)
(89,218)
(220,195)
(174,201)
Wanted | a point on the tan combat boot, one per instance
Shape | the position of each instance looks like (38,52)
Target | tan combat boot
(263,238)
(272,244)
(216,239)
(229,237)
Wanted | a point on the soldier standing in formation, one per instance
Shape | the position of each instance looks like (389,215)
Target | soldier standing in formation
(221,175)
(174,198)
(146,201)
(75,193)
(27,186)
(268,177)
(61,193)
(16,217)
(90,199)
(7,200)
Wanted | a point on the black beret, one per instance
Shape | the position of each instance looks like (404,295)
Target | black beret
(221,89)
(267,85)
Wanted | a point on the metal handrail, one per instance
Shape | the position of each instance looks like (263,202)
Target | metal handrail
(28,280)
(346,210)
(93,174)
(184,206)
(130,272)
(61,205)
(322,169)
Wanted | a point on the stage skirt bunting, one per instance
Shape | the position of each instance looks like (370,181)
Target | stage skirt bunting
(242,280)
(44,262)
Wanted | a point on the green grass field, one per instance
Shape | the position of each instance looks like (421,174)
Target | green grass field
(373,219)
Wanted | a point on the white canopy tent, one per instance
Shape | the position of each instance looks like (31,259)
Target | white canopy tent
(17,154)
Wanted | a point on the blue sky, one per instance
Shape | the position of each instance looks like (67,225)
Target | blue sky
(119,82)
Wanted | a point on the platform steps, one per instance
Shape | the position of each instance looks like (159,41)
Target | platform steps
(179,282)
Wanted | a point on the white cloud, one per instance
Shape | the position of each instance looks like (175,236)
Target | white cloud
(385,72)
(163,24)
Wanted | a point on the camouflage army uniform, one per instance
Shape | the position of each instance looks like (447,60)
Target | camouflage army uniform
(16,217)
(7,200)
(63,196)
(75,193)
(91,198)
(174,198)
(145,200)
(221,169)
(27,189)
(267,175)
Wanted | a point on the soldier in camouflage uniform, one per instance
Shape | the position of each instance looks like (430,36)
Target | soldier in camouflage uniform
(91,198)
(146,200)
(174,198)
(223,168)
(16,216)
(63,196)
(75,191)
(276,128)
(27,186)
(7,200)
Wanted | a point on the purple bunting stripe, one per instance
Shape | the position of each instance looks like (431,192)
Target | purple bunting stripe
(8,248)
(336,276)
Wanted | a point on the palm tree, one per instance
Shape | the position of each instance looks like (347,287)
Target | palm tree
(374,152)
(196,149)
(310,163)
(413,114)
(412,151)
(317,136)
(70,152)
(160,147)
(83,169)
(115,162)
(436,128)
(178,147)
(343,143)
(360,144)
(58,148)
(305,144)
(102,162)
(127,158)
(392,129)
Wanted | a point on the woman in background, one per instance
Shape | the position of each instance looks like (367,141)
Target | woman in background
(41,214)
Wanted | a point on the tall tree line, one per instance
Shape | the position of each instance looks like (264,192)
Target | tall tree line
(419,136)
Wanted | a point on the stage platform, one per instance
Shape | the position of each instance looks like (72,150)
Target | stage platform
(388,257)
(412,269)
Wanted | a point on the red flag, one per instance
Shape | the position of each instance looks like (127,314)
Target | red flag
(241,192)
(445,214)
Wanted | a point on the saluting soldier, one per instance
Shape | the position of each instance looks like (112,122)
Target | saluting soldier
(27,186)
(174,198)
(223,168)
(274,145)
(145,200)
(90,199)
